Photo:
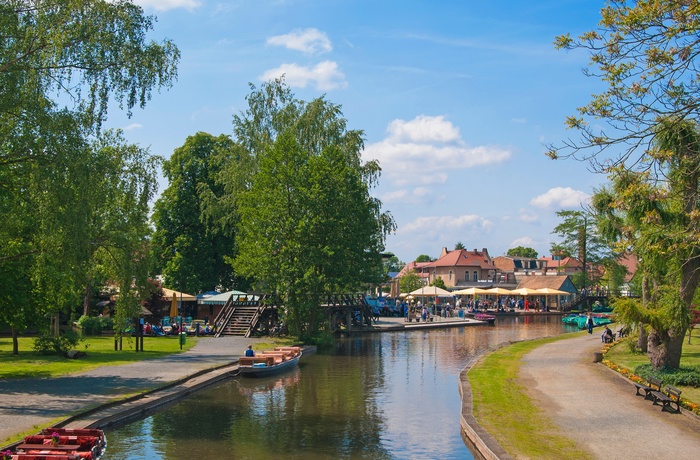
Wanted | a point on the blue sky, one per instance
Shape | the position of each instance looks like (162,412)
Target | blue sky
(457,100)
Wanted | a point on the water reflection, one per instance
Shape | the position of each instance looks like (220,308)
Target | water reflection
(380,396)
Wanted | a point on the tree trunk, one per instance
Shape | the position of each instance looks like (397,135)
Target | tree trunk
(15,341)
(665,349)
(643,339)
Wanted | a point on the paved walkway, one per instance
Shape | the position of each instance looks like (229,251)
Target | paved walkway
(26,404)
(598,408)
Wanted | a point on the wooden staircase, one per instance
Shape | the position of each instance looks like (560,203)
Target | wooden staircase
(240,315)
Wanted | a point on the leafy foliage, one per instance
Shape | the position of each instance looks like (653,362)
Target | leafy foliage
(56,345)
(686,376)
(308,224)
(192,246)
(522,251)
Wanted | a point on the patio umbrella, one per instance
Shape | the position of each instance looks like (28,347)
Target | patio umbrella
(470,291)
(498,291)
(173,307)
(431,291)
(525,292)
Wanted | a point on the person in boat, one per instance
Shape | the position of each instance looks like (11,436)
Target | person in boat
(589,323)
(250,352)
(607,335)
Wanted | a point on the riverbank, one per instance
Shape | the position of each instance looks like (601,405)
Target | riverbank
(589,404)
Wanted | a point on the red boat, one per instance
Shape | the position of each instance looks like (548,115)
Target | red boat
(59,444)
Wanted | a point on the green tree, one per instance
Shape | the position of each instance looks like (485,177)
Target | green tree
(642,132)
(308,224)
(410,282)
(521,251)
(439,282)
(580,236)
(82,52)
(459,246)
(423,258)
(652,214)
(192,249)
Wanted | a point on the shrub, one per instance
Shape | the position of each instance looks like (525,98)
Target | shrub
(52,345)
(89,325)
(687,376)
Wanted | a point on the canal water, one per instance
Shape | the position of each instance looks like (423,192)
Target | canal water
(392,395)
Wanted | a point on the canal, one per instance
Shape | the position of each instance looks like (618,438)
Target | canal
(391,395)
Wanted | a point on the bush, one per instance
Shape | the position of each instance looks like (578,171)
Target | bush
(686,376)
(89,325)
(52,345)
(94,325)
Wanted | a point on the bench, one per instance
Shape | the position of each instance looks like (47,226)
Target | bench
(654,385)
(672,395)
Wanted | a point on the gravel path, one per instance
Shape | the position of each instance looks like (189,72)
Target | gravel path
(598,408)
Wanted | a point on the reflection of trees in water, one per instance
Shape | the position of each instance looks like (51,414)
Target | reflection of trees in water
(378,396)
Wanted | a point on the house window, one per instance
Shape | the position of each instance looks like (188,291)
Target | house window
(450,276)
(476,275)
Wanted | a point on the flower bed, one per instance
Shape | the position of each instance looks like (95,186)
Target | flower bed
(635,378)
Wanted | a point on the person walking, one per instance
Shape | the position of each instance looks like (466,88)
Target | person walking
(589,323)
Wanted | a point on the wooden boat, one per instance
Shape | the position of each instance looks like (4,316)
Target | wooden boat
(269,362)
(60,444)
(485,317)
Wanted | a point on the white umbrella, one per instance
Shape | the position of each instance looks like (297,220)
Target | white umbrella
(431,291)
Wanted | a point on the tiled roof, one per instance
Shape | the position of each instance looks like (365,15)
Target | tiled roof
(543,281)
(463,258)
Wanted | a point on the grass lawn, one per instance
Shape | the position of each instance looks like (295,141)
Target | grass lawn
(100,351)
(502,407)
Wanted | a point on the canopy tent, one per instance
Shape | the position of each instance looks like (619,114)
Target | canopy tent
(430,291)
(470,291)
(220,299)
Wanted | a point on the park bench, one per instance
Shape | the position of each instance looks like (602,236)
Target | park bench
(654,385)
(672,395)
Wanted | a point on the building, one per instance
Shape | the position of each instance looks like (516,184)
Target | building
(461,269)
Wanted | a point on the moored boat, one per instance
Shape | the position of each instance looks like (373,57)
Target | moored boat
(59,444)
(485,317)
(269,362)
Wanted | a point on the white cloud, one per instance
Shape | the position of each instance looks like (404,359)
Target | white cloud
(528,218)
(325,75)
(524,241)
(423,129)
(164,5)
(429,224)
(309,41)
(133,126)
(426,150)
(561,197)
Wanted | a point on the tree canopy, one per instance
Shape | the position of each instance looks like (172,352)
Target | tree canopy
(191,249)
(308,224)
(522,251)
(642,131)
(70,193)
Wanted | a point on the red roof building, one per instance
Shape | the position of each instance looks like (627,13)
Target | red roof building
(461,268)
